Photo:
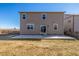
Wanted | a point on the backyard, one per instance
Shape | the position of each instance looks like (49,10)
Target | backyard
(39,47)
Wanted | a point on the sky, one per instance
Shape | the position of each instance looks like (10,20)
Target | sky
(9,12)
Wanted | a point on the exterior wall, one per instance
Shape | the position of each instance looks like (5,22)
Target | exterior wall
(35,18)
(68,23)
(76,23)
(58,19)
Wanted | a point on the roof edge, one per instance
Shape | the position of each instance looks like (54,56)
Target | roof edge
(43,11)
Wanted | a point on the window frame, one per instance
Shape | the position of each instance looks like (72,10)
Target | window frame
(26,16)
(45,16)
(32,25)
(55,24)
(23,16)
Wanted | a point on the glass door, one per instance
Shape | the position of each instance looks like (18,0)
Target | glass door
(43,29)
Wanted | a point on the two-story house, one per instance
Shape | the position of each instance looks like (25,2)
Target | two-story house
(41,22)
(71,24)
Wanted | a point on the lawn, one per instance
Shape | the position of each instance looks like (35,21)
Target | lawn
(39,47)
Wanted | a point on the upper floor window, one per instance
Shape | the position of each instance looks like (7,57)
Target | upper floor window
(44,16)
(25,16)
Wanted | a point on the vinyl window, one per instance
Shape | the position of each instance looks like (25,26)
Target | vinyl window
(55,27)
(44,16)
(30,27)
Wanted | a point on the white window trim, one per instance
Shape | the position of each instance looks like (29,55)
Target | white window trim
(33,26)
(56,25)
(42,25)
(42,16)
(26,16)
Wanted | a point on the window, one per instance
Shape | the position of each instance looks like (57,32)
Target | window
(44,16)
(55,26)
(30,26)
(25,16)
(70,30)
(69,21)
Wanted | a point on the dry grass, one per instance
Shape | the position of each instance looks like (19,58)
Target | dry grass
(39,48)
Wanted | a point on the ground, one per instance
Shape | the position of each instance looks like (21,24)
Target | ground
(39,47)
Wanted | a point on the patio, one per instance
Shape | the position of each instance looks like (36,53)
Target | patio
(43,37)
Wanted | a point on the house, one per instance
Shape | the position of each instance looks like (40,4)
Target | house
(71,24)
(76,24)
(68,24)
(41,22)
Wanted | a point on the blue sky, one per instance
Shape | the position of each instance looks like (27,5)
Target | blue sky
(9,16)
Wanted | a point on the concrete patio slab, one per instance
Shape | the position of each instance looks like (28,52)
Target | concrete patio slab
(43,37)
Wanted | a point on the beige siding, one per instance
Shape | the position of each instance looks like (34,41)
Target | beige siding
(76,23)
(68,23)
(35,18)
(58,19)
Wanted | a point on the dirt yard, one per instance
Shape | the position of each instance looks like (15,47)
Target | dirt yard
(39,47)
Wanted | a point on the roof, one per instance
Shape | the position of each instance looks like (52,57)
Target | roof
(72,14)
(42,12)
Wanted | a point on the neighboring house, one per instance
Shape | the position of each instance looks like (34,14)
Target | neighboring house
(76,24)
(41,22)
(68,24)
(71,24)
